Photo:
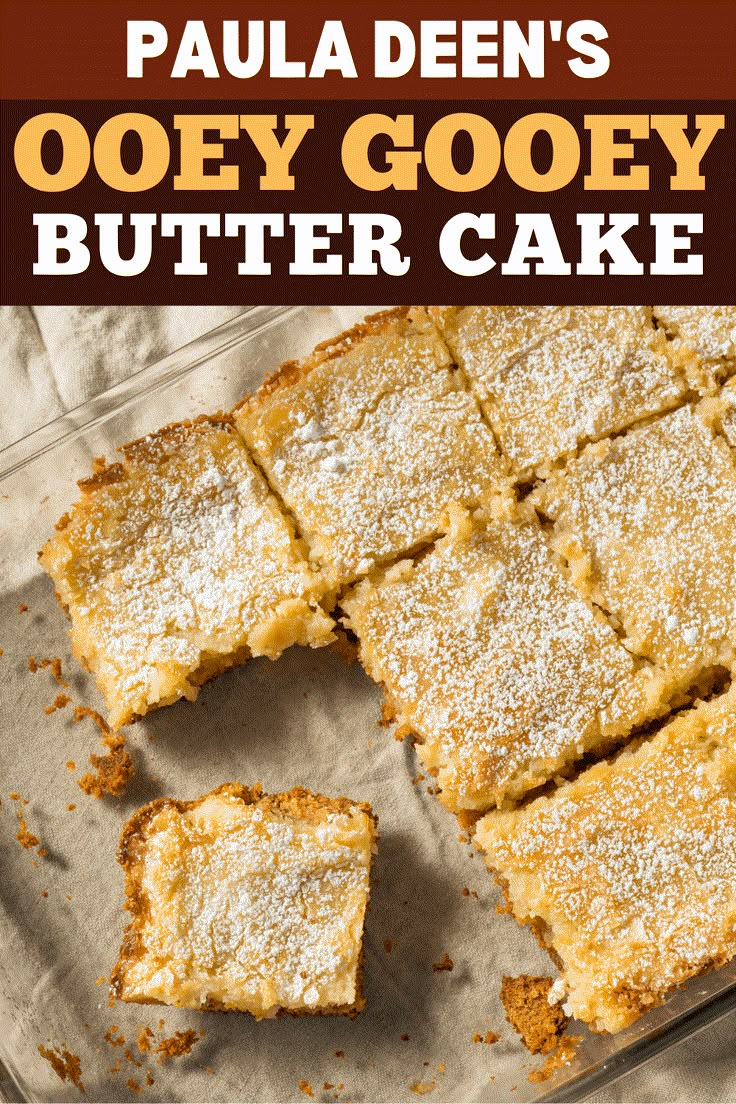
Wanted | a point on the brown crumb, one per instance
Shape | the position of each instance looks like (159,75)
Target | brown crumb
(306,1088)
(14,796)
(209,1070)
(130,1059)
(388,945)
(71,765)
(25,837)
(71,807)
(339,1053)
(83,711)
(32,664)
(150,1079)
(101,981)
(23,608)
(404,1038)
(341,1086)
(145,1035)
(68,896)
(328,1085)
(529,1012)
(134,1085)
(441,1067)
(477,1038)
(117,1067)
(114,771)
(445,963)
(490,1038)
(65,1065)
(179,1044)
(53,665)
(59,702)
(111,1036)
(421,1088)
(561,1057)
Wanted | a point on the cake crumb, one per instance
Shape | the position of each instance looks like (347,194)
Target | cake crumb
(114,771)
(53,665)
(150,1079)
(71,765)
(65,1065)
(562,1056)
(491,1037)
(83,711)
(421,1088)
(23,608)
(59,702)
(540,1024)
(100,981)
(71,807)
(111,1036)
(339,1053)
(328,1085)
(441,1067)
(404,1038)
(305,1088)
(134,1085)
(179,1044)
(445,963)
(388,945)
(145,1035)
(477,1038)
(24,836)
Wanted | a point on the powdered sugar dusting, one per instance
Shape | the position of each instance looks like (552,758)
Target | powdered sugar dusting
(632,866)
(368,448)
(496,662)
(185,558)
(256,908)
(554,377)
(655,513)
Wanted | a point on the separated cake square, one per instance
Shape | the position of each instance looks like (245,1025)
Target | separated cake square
(243,901)
(552,378)
(490,656)
(368,441)
(648,522)
(628,873)
(178,563)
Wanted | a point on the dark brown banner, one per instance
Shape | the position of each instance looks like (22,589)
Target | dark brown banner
(288,49)
(149,202)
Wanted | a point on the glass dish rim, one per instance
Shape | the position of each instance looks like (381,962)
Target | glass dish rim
(157,375)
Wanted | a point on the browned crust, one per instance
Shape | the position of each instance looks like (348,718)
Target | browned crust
(291,371)
(153,446)
(297,802)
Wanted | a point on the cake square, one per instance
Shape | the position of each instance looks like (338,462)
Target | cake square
(706,336)
(492,659)
(628,873)
(243,901)
(552,378)
(650,520)
(368,441)
(176,564)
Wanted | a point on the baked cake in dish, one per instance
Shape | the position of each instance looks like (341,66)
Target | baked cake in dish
(493,660)
(649,521)
(551,378)
(628,873)
(177,563)
(369,439)
(707,336)
(247,902)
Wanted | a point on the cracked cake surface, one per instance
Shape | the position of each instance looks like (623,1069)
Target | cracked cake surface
(628,872)
(245,901)
(495,662)
(368,440)
(707,337)
(177,563)
(551,378)
(650,519)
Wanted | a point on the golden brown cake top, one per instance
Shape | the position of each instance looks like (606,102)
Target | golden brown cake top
(552,378)
(246,901)
(369,440)
(651,518)
(176,558)
(629,871)
(492,657)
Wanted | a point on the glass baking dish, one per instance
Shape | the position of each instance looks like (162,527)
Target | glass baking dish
(310,719)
